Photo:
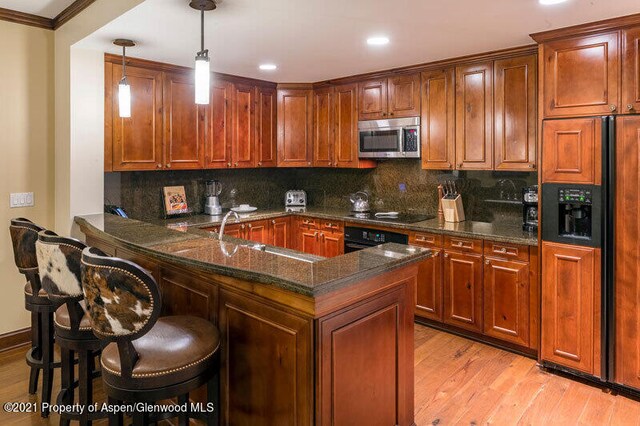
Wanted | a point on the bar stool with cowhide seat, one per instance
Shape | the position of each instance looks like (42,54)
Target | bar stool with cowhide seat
(148,359)
(24,234)
(59,266)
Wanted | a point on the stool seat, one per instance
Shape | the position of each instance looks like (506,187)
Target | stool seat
(176,349)
(63,320)
(29,291)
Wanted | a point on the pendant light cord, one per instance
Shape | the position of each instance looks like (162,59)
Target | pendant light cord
(124,64)
(202,30)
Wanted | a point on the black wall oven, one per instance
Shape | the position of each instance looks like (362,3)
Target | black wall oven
(361,238)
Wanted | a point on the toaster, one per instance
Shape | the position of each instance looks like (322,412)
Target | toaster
(295,198)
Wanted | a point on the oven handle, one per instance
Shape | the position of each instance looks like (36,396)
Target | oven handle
(357,246)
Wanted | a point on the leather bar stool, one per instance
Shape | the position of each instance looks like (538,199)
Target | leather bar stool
(24,234)
(59,270)
(147,359)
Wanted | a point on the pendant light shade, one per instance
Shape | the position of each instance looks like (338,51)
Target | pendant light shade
(124,89)
(203,66)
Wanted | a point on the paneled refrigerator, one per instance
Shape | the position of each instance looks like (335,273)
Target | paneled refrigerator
(591,248)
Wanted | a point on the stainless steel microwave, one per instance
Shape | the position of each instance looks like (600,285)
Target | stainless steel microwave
(393,138)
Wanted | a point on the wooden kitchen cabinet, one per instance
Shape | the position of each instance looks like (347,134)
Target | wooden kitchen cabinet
(438,119)
(627,259)
(136,142)
(463,290)
(219,135)
(515,125)
(581,75)
(572,151)
(244,127)
(571,307)
(323,128)
(506,300)
(430,273)
(266,127)
(345,127)
(183,147)
(280,232)
(320,238)
(257,231)
(631,71)
(295,127)
(393,97)
(474,117)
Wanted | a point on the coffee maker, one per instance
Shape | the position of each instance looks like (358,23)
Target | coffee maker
(212,205)
(530,208)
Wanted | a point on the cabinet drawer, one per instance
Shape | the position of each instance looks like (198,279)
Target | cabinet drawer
(332,225)
(506,250)
(425,239)
(463,244)
(308,222)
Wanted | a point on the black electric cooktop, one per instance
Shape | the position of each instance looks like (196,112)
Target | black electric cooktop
(401,218)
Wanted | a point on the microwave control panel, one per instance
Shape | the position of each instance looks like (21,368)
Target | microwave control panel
(410,140)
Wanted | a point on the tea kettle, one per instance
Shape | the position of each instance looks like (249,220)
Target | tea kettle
(359,202)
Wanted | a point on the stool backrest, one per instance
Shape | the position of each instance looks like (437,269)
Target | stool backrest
(59,261)
(123,299)
(24,235)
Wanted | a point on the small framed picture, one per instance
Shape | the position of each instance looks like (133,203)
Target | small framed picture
(175,200)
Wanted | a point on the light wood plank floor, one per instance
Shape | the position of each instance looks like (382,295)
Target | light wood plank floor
(458,382)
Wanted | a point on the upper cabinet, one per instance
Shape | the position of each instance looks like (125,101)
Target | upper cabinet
(266,127)
(135,142)
(295,127)
(581,75)
(631,70)
(219,130)
(244,126)
(474,117)
(515,118)
(437,120)
(393,97)
(322,128)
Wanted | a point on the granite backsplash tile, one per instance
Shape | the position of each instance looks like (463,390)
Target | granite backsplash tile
(395,185)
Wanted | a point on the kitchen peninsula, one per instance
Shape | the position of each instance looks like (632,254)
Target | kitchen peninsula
(298,331)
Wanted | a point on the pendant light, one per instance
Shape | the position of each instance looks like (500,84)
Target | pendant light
(203,73)
(124,89)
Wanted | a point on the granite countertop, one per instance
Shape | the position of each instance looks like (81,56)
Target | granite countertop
(300,273)
(505,231)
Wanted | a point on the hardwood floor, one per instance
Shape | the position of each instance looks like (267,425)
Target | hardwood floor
(458,382)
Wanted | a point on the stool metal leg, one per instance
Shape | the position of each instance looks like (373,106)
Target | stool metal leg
(183,418)
(213,396)
(66,383)
(36,350)
(85,378)
(47,360)
(114,419)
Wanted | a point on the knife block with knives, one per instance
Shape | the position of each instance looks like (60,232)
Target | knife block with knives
(451,203)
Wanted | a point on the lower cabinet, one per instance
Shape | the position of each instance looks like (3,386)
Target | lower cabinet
(429,284)
(257,231)
(320,238)
(266,363)
(463,290)
(273,232)
(506,300)
(280,232)
(571,307)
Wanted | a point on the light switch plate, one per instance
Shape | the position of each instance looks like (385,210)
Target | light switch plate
(21,199)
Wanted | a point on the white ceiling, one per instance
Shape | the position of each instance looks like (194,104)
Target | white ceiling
(314,40)
(46,8)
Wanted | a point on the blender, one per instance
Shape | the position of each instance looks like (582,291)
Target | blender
(212,205)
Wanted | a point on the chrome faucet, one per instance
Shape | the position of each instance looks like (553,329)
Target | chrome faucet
(224,222)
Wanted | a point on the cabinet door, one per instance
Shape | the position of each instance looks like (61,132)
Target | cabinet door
(183,144)
(581,76)
(438,119)
(404,96)
(463,290)
(429,287)
(346,138)
(295,127)
(265,353)
(332,244)
(235,230)
(244,126)
(183,294)
(515,98)
(474,117)
(219,133)
(572,151)
(279,232)
(571,307)
(258,231)
(266,140)
(137,140)
(322,128)
(506,300)
(309,242)
(372,96)
(627,259)
(631,71)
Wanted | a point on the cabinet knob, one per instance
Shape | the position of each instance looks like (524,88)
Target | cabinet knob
(390,113)
(273,222)
(531,166)
(242,226)
(249,225)
(503,250)
(235,165)
(448,164)
(612,107)
(309,163)
(488,262)
(259,163)
(228,164)
(460,165)
(168,166)
(158,166)
(446,255)
(630,107)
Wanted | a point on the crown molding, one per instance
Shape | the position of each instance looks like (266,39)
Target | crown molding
(589,28)
(42,22)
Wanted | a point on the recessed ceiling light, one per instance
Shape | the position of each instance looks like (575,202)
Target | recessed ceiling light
(268,67)
(550,2)
(377,41)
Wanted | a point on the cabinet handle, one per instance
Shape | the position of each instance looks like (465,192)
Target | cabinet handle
(531,166)
(488,262)
(630,107)
(449,165)
(390,113)
(168,166)
(309,163)
(259,163)
(235,165)
(158,166)
(612,107)
(273,222)
(446,255)
(460,165)
(502,250)
(249,225)
(460,244)
(242,226)
(228,164)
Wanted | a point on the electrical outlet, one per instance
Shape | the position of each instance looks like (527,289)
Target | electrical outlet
(21,199)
